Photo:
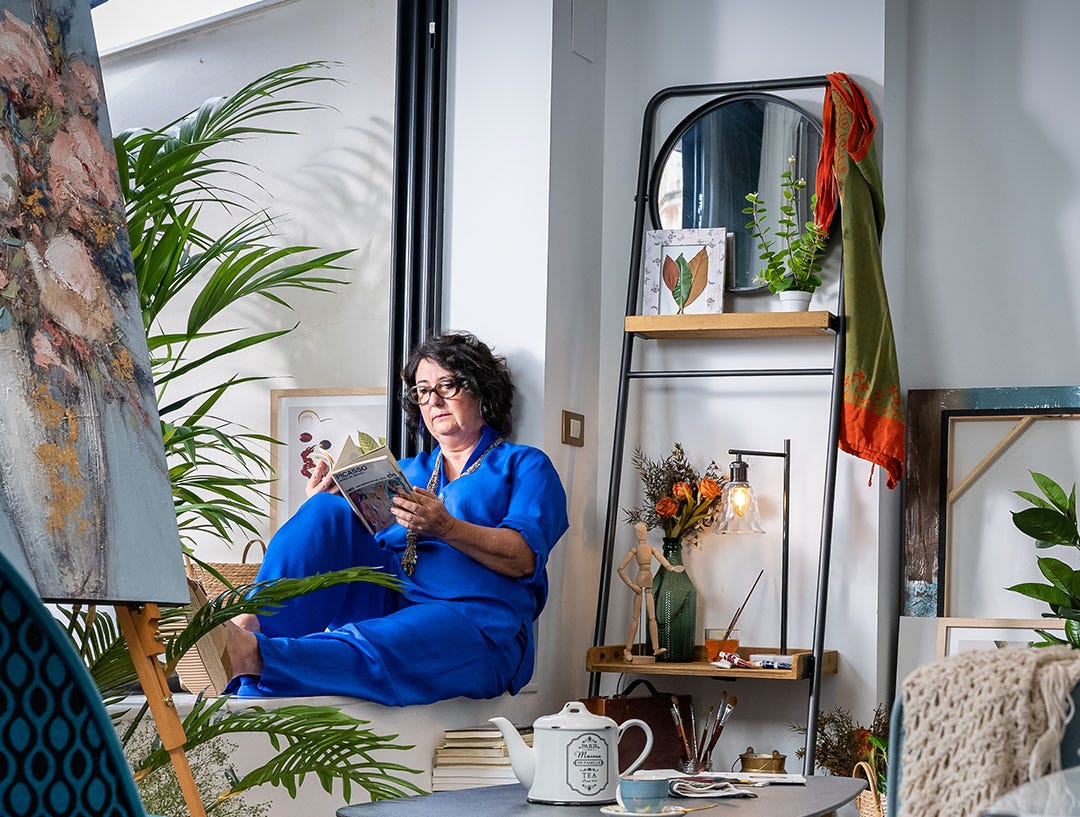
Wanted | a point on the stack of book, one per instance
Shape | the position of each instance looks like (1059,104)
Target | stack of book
(468,758)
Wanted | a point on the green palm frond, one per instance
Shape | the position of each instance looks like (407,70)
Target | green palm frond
(318,740)
(263,598)
(96,636)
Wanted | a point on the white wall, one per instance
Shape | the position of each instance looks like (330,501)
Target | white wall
(525,130)
(498,172)
(651,46)
(121,22)
(993,208)
(573,302)
(986,152)
(523,215)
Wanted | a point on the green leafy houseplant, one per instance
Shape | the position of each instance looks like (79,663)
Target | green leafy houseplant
(168,175)
(842,742)
(1051,521)
(793,260)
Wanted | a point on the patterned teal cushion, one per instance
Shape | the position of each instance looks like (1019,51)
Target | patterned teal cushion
(59,754)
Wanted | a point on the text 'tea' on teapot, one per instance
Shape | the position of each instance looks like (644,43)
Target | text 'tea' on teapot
(574,757)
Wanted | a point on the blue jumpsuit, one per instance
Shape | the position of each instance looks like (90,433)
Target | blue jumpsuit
(458,629)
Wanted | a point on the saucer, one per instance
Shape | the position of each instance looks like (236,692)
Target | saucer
(619,811)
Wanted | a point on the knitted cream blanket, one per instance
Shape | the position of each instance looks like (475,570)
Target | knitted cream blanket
(980,723)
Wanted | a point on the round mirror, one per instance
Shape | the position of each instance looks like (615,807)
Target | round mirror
(727,148)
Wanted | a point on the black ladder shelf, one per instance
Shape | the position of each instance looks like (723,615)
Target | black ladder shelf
(816,661)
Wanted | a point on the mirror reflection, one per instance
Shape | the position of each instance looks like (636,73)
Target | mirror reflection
(725,149)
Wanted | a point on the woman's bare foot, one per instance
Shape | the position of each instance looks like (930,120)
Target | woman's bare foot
(242,648)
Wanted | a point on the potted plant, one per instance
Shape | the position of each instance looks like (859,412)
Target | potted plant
(845,747)
(1051,521)
(792,256)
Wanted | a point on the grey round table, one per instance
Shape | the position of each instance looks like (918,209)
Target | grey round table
(820,796)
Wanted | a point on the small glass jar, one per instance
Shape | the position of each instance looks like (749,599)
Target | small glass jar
(696,766)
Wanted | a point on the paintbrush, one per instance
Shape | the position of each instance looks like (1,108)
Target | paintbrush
(720,721)
(693,734)
(704,734)
(738,612)
(675,716)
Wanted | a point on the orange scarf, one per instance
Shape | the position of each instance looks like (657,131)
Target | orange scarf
(872,419)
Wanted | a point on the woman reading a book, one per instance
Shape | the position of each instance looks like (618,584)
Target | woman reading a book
(470,547)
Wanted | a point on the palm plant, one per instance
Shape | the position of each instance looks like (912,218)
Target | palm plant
(218,473)
(168,177)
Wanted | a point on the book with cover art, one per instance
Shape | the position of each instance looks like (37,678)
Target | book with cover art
(369,477)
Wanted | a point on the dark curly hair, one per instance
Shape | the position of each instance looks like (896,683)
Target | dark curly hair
(480,371)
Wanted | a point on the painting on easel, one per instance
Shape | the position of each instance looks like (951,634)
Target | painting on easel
(86,510)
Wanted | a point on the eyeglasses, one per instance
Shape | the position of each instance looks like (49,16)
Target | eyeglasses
(446,388)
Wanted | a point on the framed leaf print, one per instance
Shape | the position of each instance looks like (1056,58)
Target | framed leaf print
(684,271)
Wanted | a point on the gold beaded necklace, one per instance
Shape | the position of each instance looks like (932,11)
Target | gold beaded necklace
(409,557)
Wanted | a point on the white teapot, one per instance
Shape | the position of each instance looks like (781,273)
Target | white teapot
(574,758)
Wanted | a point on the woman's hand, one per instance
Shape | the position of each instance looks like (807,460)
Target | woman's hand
(424,513)
(500,549)
(320,480)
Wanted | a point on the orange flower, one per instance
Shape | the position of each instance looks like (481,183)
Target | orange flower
(667,507)
(861,738)
(708,488)
(682,490)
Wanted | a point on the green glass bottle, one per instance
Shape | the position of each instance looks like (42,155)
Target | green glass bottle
(676,607)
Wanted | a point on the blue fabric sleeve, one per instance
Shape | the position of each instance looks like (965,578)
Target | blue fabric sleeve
(537,507)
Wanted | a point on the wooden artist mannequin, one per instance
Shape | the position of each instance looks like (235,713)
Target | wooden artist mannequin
(643,553)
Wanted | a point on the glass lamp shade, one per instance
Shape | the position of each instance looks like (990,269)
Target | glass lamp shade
(740,509)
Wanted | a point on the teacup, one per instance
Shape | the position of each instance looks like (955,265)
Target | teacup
(642,795)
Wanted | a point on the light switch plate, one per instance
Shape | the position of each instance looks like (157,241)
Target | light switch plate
(573,428)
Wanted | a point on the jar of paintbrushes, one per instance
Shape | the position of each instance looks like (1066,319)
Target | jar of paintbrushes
(698,745)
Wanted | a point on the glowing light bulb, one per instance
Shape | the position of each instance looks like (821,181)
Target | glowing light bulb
(740,498)
(740,505)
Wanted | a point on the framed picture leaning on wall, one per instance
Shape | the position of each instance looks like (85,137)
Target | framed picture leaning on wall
(684,271)
(956,635)
(302,420)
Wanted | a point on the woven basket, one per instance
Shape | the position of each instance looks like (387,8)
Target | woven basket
(235,573)
(205,668)
(869,802)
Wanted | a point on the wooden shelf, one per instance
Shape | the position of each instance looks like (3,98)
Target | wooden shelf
(609,659)
(732,325)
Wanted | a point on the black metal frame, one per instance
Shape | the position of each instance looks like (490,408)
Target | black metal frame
(419,191)
(645,160)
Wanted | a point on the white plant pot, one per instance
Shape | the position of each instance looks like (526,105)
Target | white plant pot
(794,301)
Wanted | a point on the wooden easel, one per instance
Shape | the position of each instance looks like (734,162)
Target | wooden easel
(139,624)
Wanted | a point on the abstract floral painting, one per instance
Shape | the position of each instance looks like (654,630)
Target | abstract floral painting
(86,509)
